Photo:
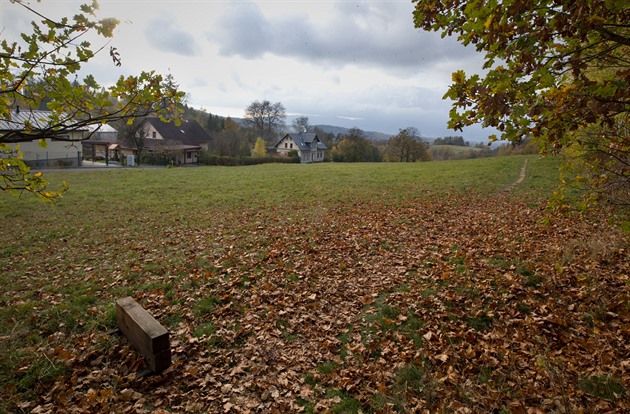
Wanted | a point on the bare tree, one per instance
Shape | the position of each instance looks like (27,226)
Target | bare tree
(265,118)
(301,124)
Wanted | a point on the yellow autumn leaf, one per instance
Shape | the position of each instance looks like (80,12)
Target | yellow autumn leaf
(488,22)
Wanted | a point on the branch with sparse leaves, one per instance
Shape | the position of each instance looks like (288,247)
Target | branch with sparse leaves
(16,176)
(35,70)
(540,57)
(555,71)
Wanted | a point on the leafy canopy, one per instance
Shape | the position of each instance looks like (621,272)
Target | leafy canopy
(35,71)
(406,146)
(540,57)
(354,146)
(260,149)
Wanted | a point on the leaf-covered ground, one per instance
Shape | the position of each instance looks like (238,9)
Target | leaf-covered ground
(455,303)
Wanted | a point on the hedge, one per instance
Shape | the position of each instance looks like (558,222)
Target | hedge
(236,161)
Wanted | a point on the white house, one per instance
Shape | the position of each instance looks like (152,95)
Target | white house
(307,145)
(183,143)
(59,149)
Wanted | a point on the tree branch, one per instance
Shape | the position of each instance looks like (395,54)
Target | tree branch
(612,36)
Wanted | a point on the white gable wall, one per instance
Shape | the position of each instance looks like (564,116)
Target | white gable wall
(287,144)
(55,153)
(151,132)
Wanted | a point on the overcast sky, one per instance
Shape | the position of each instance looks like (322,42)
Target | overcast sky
(339,62)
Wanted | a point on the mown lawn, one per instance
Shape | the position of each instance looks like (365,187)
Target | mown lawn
(343,287)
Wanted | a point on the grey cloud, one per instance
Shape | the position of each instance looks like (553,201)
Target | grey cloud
(388,108)
(165,36)
(243,31)
(349,118)
(379,34)
(237,80)
(199,82)
(381,108)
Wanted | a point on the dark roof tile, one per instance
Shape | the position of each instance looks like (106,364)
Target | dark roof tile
(189,132)
(304,140)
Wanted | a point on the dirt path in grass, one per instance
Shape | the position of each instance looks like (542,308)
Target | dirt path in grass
(520,178)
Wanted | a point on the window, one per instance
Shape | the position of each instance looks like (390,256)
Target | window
(291,145)
(189,155)
(154,134)
(286,145)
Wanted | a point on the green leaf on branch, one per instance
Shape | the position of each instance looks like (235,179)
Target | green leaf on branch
(35,71)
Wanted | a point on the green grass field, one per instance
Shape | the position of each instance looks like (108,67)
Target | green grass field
(453,152)
(456,148)
(374,287)
(168,190)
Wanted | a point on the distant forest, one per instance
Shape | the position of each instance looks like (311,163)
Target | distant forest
(211,123)
(455,140)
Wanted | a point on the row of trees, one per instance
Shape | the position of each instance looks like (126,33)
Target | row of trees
(406,146)
(265,123)
(234,140)
(264,118)
(452,140)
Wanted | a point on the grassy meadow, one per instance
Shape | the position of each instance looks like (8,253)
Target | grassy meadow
(330,287)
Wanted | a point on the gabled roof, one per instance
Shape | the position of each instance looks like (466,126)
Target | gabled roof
(189,132)
(305,141)
(19,120)
(102,134)
(102,128)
